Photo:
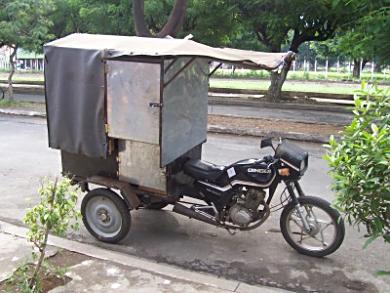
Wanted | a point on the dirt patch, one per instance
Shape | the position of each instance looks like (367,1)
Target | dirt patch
(274,125)
(20,278)
(52,275)
(66,259)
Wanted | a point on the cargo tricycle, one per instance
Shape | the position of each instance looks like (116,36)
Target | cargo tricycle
(129,115)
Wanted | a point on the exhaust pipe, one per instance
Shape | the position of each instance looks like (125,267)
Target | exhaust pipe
(183,210)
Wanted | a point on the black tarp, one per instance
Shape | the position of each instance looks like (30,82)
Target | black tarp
(74,85)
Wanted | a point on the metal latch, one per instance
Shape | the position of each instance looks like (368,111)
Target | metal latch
(155,105)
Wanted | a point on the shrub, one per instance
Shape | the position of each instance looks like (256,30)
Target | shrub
(55,213)
(360,164)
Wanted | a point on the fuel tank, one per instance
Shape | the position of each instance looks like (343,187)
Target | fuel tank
(256,171)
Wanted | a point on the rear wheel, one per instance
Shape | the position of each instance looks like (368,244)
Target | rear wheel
(105,215)
(326,227)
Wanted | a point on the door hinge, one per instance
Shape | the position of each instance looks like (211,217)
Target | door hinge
(106,68)
(106,128)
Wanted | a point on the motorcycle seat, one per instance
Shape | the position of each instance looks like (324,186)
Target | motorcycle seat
(203,170)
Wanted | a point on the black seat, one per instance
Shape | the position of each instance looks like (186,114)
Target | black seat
(203,170)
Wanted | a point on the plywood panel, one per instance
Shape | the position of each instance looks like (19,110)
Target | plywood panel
(139,163)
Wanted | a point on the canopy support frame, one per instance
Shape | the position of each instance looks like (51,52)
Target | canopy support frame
(215,69)
(171,64)
(188,63)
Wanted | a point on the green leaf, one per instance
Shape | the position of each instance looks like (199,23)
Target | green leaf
(382,273)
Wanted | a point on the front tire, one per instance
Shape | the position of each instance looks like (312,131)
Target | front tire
(315,210)
(105,215)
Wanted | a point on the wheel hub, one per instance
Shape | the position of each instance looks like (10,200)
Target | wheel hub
(103,215)
(314,227)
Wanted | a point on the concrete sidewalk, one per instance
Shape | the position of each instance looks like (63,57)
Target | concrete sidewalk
(106,270)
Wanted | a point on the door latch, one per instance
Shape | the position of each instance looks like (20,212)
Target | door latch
(155,105)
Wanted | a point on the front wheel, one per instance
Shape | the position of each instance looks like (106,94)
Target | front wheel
(326,226)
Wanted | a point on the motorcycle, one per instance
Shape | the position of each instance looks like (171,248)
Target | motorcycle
(238,198)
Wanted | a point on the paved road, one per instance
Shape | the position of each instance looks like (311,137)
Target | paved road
(310,116)
(260,256)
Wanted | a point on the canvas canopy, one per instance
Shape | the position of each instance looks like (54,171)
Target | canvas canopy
(75,81)
(119,46)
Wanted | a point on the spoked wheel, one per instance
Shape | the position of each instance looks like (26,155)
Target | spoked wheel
(326,227)
(105,215)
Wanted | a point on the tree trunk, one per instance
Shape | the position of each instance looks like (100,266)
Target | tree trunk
(356,68)
(175,20)
(42,246)
(172,26)
(277,81)
(378,68)
(141,28)
(34,278)
(11,74)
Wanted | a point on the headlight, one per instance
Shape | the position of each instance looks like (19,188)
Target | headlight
(302,166)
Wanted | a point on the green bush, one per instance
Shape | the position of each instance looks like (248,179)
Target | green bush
(55,213)
(360,164)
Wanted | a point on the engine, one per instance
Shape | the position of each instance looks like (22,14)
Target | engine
(245,209)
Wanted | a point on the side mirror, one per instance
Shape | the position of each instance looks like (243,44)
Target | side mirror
(266,142)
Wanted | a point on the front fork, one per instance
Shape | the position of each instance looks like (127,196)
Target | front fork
(290,188)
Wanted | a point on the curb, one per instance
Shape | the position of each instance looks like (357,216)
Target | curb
(14,112)
(273,134)
(213,129)
(143,264)
(252,102)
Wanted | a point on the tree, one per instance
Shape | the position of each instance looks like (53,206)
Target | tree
(366,36)
(360,164)
(370,28)
(277,22)
(23,23)
(55,213)
(211,22)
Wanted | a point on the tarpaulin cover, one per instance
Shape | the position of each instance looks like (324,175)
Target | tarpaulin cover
(119,46)
(74,80)
(74,84)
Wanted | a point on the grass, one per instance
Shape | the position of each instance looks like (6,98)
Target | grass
(22,105)
(262,80)
(288,86)
(5,103)
(32,76)
(301,75)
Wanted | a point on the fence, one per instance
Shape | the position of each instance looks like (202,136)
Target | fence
(4,62)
